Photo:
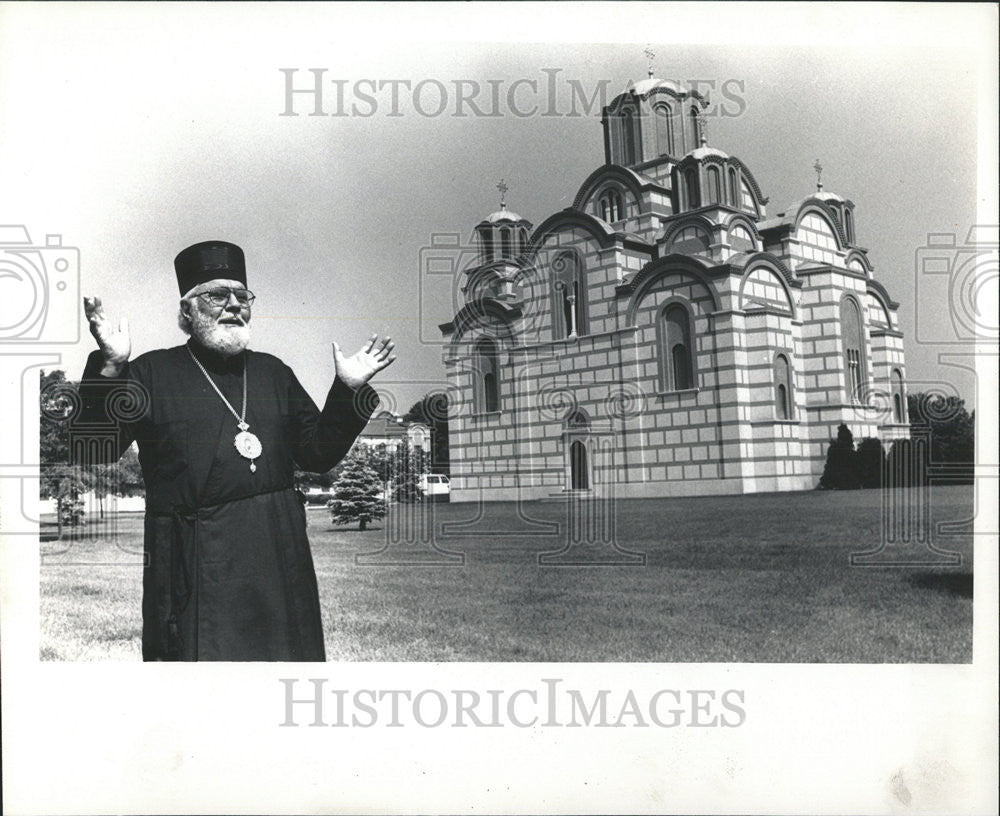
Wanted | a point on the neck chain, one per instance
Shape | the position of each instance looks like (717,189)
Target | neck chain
(247,444)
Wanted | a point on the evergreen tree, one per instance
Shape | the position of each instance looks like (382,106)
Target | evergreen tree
(841,471)
(356,491)
(871,461)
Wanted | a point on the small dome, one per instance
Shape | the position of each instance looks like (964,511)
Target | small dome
(644,86)
(704,151)
(503,214)
(822,195)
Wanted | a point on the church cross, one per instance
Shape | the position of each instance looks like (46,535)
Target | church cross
(819,175)
(503,192)
(649,58)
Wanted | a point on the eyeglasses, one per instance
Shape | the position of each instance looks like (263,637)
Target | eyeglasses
(220,297)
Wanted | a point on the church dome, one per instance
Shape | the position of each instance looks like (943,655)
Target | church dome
(705,151)
(652,120)
(503,234)
(503,214)
(823,195)
(839,205)
(644,86)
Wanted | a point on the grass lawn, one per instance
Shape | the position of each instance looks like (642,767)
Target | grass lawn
(763,578)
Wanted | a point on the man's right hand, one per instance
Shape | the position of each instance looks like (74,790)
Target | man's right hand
(114,343)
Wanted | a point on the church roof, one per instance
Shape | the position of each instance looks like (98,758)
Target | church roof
(503,214)
(796,205)
(382,426)
(770,223)
(644,86)
(822,195)
(705,151)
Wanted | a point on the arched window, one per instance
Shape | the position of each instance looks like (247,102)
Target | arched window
(505,247)
(740,239)
(569,296)
(898,397)
(628,137)
(849,224)
(747,202)
(523,239)
(487,377)
(612,206)
(691,188)
(664,130)
(695,127)
(674,329)
(486,244)
(782,387)
(851,327)
(714,185)
(734,189)
(690,241)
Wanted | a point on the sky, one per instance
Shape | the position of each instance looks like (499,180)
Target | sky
(134,131)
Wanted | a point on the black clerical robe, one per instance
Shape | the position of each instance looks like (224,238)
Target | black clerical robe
(229,574)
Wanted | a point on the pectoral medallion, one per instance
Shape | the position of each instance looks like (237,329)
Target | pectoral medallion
(248,446)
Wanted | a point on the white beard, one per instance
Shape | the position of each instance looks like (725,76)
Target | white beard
(224,339)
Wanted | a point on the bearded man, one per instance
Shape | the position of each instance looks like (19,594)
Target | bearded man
(228,570)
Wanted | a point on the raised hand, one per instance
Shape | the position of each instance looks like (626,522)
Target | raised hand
(358,369)
(114,343)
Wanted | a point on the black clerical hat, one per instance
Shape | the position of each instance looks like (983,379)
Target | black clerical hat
(207,261)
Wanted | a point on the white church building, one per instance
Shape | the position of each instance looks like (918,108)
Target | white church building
(666,335)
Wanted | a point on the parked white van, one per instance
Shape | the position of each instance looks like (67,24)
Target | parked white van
(435,486)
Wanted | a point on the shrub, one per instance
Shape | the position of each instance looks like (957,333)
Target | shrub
(871,462)
(841,471)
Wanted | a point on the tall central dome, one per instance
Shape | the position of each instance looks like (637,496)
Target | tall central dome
(654,119)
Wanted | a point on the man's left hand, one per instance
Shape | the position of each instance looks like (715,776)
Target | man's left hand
(355,371)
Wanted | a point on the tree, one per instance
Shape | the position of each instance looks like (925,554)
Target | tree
(356,491)
(121,478)
(432,410)
(58,479)
(871,461)
(951,430)
(130,481)
(380,458)
(841,471)
(407,467)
